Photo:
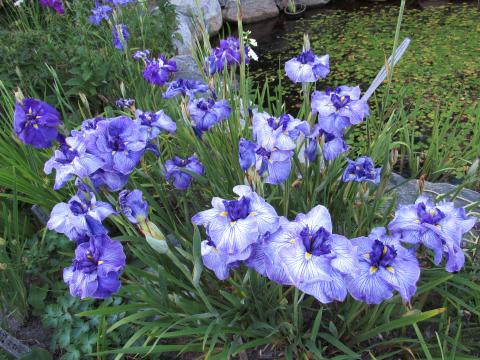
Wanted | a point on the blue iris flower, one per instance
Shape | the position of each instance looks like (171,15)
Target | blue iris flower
(384,266)
(119,142)
(307,67)
(133,206)
(96,268)
(438,227)
(235,225)
(174,169)
(35,122)
(339,108)
(185,88)
(71,218)
(152,124)
(361,170)
(309,256)
(205,113)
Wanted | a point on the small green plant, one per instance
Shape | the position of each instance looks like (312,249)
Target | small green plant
(77,337)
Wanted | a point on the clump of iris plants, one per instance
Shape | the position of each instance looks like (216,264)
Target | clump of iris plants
(305,251)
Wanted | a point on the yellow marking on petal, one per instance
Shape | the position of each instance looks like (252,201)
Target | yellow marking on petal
(253,213)
(431,211)
(100,262)
(417,221)
(149,129)
(438,226)
(373,269)
(292,241)
(270,161)
(223,213)
(308,256)
(84,206)
(37,117)
(286,132)
(384,250)
(90,257)
(114,152)
(125,143)
(233,223)
(30,111)
(277,121)
(342,98)
(93,206)
(391,269)
(366,256)
(35,126)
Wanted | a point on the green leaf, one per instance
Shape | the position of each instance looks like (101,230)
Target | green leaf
(404,321)
(197,257)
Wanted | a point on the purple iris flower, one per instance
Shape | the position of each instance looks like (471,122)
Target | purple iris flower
(124,103)
(174,168)
(280,132)
(234,225)
(112,180)
(246,153)
(384,266)
(185,87)
(69,162)
(120,36)
(361,170)
(157,71)
(154,123)
(270,162)
(307,67)
(333,144)
(227,54)
(133,206)
(53,4)
(315,260)
(438,227)
(99,13)
(35,122)
(219,262)
(141,54)
(206,113)
(121,2)
(96,268)
(70,218)
(119,142)
(340,108)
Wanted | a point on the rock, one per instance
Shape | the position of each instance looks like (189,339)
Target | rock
(315,3)
(211,11)
(252,10)
(186,68)
(407,191)
(183,37)
(310,3)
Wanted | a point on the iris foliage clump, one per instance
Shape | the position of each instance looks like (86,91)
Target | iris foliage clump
(231,226)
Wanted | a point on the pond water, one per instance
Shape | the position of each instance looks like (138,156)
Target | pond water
(441,63)
(438,79)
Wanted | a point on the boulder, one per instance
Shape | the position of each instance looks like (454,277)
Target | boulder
(310,3)
(407,191)
(183,37)
(186,68)
(252,10)
(211,12)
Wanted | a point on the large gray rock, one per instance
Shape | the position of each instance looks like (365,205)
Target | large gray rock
(186,68)
(407,191)
(314,3)
(251,10)
(310,3)
(183,37)
(210,10)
